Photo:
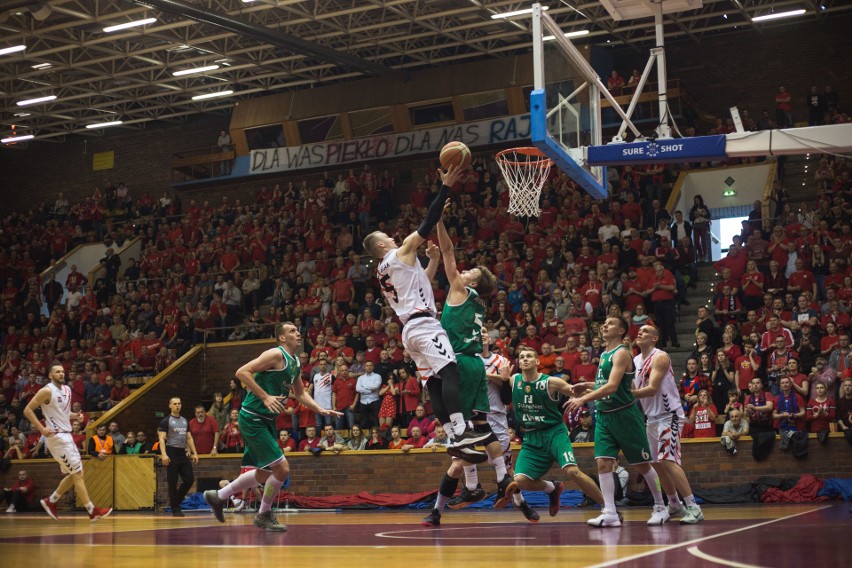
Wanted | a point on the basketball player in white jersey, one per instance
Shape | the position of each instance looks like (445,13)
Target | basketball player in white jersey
(55,402)
(656,389)
(407,289)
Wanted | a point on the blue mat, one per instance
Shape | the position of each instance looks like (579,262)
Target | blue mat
(536,499)
(837,488)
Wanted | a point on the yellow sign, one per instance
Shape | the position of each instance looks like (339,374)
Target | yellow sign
(103,161)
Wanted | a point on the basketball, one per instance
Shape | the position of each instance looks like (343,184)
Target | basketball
(455,153)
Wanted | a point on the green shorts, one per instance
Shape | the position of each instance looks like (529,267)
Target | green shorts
(543,447)
(622,430)
(259,436)
(473,386)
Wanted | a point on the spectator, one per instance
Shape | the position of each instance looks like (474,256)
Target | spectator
(101,444)
(205,432)
(218,410)
(789,412)
(285,442)
(376,440)
(417,440)
(344,397)
(821,411)
(117,437)
(131,446)
(21,494)
(311,441)
(357,440)
(368,386)
(396,442)
(331,440)
(231,438)
(583,432)
(734,429)
(703,416)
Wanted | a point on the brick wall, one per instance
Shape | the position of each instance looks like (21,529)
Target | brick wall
(706,464)
(194,380)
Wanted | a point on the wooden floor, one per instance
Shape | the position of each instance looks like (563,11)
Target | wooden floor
(732,535)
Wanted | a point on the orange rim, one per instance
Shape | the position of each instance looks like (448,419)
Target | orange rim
(530,151)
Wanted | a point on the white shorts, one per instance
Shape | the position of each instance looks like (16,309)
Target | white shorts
(428,344)
(664,437)
(64,450)
(500,426)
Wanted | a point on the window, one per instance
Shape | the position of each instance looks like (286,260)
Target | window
(480,106)
(261,137)
(322,129)
(371,122)
(434,113)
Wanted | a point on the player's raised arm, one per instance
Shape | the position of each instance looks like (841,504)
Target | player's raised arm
(434,254)
(457,287)
(408,251)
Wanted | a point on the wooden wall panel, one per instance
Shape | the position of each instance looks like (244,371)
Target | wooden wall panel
(135,483)
(98,475)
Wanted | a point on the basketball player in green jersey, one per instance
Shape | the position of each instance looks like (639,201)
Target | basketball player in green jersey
(535,397)
(462,318)
(269,379)
(620,424)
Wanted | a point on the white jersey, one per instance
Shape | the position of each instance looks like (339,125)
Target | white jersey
(57,412)
(667,399)
(406,288)
(493,364)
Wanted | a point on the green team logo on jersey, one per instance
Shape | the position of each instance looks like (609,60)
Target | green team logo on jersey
(534,407)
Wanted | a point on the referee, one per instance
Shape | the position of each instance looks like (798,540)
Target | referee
(174,439)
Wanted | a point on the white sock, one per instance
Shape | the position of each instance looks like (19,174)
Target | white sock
(690,501)
(500,468)
(471,477)
(549,487)
(652,480)
(273,486)
(441,501)
(674,502)
(448,428)
(243,482)
(89,507)
(457,419)
(608,491)
(54,497)
(517,499)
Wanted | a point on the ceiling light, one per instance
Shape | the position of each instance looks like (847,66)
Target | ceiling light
(13,49)
(36,100)
(212,95)
(126,25)
(42,66)
(777,15)
(17,138)
(578,33)
(104,124)
(195,70)
(513,14)
(22,114)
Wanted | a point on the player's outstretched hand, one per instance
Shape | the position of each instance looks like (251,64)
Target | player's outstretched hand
(433,251)
(581,388)
(329,412)
(451,176)
(573,404)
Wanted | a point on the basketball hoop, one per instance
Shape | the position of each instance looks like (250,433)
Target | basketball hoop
(525,171)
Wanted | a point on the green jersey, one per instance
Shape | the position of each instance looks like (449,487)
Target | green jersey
(276,382)
(622,397)
(463,324)
(536,408)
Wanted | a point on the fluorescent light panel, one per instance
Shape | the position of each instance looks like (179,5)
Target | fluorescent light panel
(777,15)
(36,100)
(17,138)
(212,95)
(515,13)
(42,65)
(126,25)
(12,49)
(104,124)
(578,33)
(195,70)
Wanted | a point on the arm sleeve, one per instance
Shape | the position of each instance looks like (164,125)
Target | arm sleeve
(434,214)
(164,425)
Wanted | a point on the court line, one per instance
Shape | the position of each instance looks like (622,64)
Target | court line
(702,539)
(693,550)
(433,534)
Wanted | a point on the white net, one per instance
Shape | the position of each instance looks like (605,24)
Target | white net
(524,171)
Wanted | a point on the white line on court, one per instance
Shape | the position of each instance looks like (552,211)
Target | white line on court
(702,539)
(693,550)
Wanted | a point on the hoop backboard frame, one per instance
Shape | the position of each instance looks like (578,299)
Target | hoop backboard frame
(569,158)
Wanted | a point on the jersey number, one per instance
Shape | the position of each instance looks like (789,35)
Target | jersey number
(569,457)
(388,288)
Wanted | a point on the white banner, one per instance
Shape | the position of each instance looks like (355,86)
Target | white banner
(330,154)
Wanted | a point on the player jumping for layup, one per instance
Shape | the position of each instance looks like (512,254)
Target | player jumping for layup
(656,389)
(55,402)
(407,289)
(620,424)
